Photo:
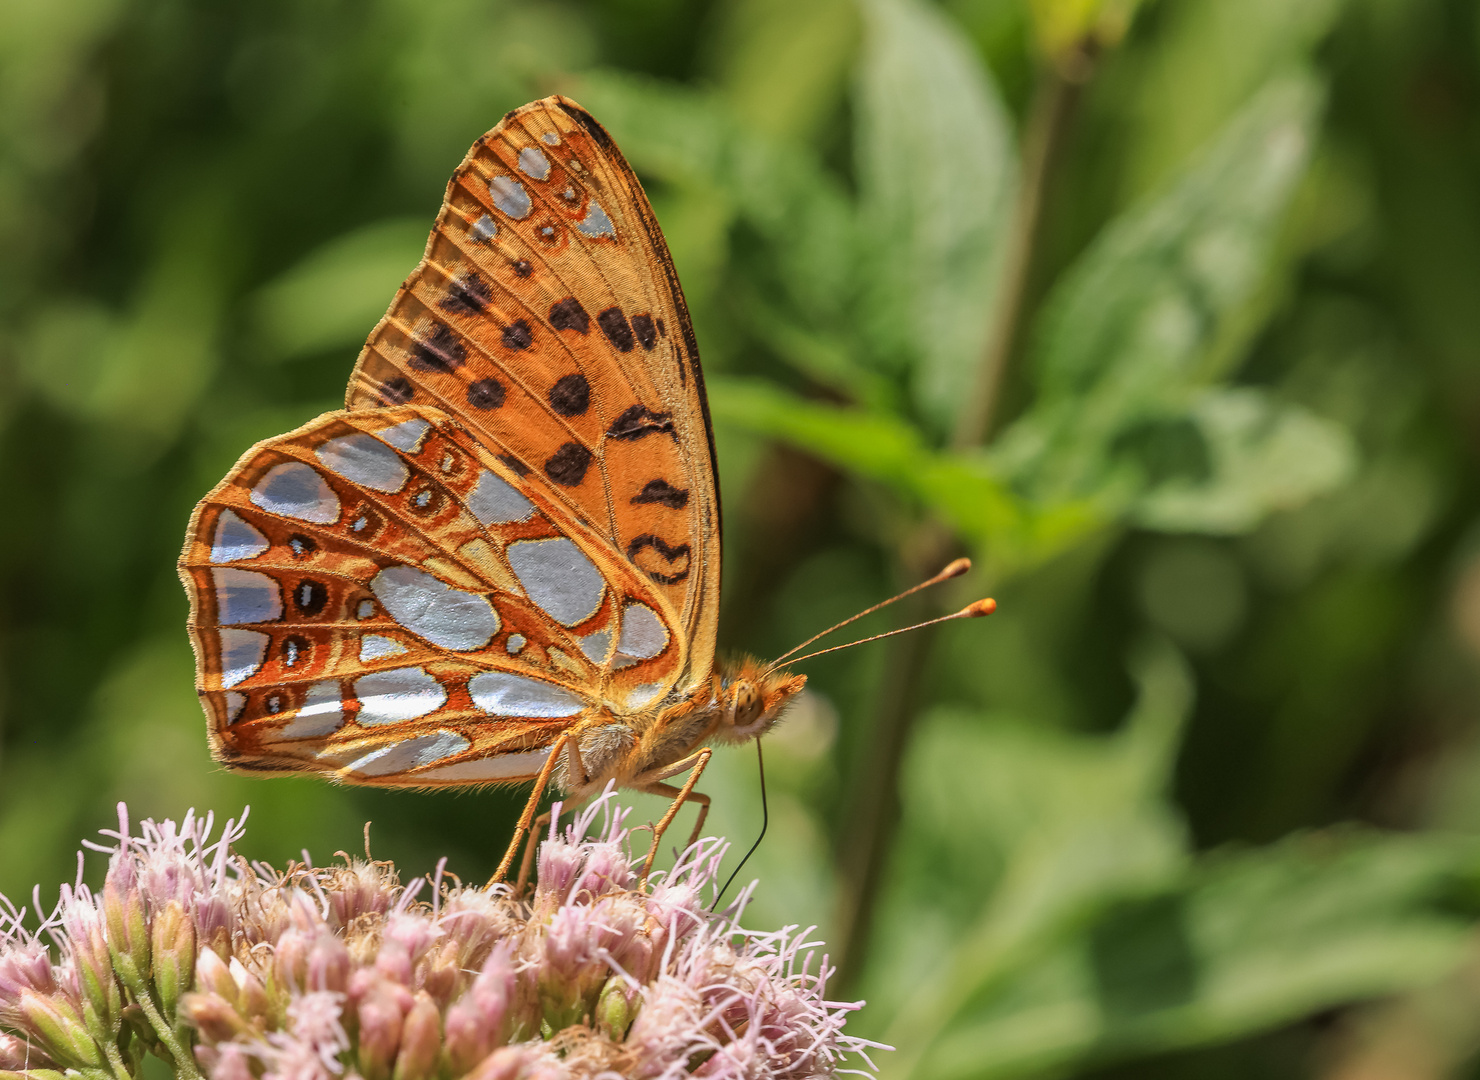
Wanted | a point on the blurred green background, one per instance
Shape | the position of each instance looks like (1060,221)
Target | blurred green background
(1167,313)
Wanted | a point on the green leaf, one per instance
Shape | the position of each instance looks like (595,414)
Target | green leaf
(1249,941)
(1262,455)
(1129,334)
(936,172)
(1077,822)
(336,294)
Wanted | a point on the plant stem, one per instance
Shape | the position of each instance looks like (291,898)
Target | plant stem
(1049,119)
(184,1061)
(872,815)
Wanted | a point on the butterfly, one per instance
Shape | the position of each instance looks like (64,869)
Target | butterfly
(500,562)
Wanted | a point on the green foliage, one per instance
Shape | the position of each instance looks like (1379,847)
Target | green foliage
(1235,430)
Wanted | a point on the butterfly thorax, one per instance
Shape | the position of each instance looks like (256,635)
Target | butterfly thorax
(741,701)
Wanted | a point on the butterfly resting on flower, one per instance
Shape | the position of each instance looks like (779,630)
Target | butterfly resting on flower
(501,561)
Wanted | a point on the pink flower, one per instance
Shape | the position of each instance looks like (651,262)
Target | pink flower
(321,973)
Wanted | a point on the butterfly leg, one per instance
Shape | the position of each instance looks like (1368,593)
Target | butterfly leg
(577,772)
(696,762)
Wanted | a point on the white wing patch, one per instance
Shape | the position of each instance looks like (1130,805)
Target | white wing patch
(502,693)
(558,577)
(296,490)
(235,540)
(495,501)
(245,596)
(242,652)
(434,610)
(409,754)
(495,767)
(388,697)
(322,713)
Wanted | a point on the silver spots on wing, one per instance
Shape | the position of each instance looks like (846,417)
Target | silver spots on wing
(242,652)
(510,197)
(551,138)
(296,490)
(236,540)
(533,163)
(322,713)
(502,693)
(409,754)
(364,609)
(558,577)
(494,501)
(596,224)
(389,697)
(407,435)
(245,596)
(494,767)
(643,634)
(235,705)
(642,695)
(434,610)
(378,647)
(595,645)
(515,644)
(364,460)
(485,228)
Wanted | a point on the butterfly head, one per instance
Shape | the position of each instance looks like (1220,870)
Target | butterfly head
(750,699)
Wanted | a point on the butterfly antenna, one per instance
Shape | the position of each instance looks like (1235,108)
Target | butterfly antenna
(765,821)
(954,570)
(974,610)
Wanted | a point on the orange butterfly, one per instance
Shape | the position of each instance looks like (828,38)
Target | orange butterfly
(501,561)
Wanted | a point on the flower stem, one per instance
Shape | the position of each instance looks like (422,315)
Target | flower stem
(184,1062)
(871,818)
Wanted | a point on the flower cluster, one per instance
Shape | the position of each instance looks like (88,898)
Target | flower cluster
(236,972)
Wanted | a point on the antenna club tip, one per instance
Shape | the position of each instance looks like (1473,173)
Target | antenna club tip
(955,569)
(981,607)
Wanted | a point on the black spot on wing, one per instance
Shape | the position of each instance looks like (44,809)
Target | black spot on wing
(302,546)
(654,557)
(310,596)
(515,465)
(614,325)
(662,492)
(639,420)
(571,395)
(587,121)
(517,335)
(396,390)
(485,394)
(523,268)
(568,314)
(440,351)
(647,333)
(568,465)
(469,295)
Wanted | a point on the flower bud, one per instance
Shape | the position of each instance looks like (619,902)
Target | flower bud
(421,1038)
(173,943)
(476,1022)
(615,1008)
(213,1016)
(212,975)
(290,959)
(329,964)
(102,999)
(380,1014)
(60,1029)
(128,922)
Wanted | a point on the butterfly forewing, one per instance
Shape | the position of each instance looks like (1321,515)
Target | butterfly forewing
(546,318)
(379,597)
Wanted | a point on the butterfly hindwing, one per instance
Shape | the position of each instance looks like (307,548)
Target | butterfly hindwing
(377,596)
(546,318)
